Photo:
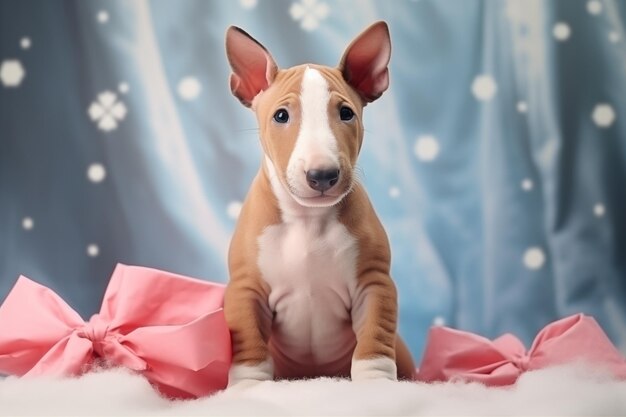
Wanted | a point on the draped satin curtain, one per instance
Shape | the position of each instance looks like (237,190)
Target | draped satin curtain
(496,160)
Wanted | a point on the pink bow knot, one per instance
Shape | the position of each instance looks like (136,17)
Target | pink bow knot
(96,331)
(169,327)
(106,346)
(456,355)
(517,354)
(521,362)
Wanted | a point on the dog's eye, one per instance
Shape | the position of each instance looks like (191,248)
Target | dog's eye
(346,113)
(281,116)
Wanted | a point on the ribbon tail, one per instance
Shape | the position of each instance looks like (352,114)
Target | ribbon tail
(192,358)
(70,356)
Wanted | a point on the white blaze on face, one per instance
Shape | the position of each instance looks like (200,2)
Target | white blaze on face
(316,146)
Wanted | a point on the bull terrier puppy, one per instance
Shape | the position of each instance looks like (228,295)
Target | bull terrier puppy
(310,293)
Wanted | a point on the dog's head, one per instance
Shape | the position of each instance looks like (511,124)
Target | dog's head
(310,116)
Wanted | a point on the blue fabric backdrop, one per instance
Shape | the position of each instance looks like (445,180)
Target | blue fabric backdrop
(496,160)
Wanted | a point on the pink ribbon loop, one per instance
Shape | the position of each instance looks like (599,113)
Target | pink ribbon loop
(456,355)
(168,327)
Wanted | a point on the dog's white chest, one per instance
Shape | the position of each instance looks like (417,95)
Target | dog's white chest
(310,267)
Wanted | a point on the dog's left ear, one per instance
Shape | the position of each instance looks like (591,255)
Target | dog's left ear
(364,63)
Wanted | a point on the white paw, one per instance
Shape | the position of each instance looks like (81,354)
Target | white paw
(247,375)
(242,385)
(377,368)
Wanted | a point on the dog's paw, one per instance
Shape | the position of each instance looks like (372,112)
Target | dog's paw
(247,375)
(242,385)
(377,368)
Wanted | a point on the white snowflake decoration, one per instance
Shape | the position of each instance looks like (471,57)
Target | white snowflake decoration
(394,192)
(96,173)
(426,148)
(613,36)
(439,321)
(93,250)
(594,7)
(527,184)
(248,4)
(603,115)
(107,111)
(561,31)
(102,16)
(534,258)
(599,210)
(11,73)
(28,223)
(522,106)
(123,87)
(484,87)
(25,43)
(189,88)
(310,13)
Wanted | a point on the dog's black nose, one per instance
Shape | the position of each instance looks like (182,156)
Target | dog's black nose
(322,179)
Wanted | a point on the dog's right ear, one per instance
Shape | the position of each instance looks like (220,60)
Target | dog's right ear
(253,67)
(364,63)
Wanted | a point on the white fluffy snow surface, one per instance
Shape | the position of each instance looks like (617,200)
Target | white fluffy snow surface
(567,390)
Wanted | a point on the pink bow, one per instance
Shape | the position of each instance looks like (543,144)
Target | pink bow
(457,355)
(168,327)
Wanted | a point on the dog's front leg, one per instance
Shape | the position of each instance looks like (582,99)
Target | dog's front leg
(374,320)
(250,320)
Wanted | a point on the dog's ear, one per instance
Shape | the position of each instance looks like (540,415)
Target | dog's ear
(364,63)
(253,67)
